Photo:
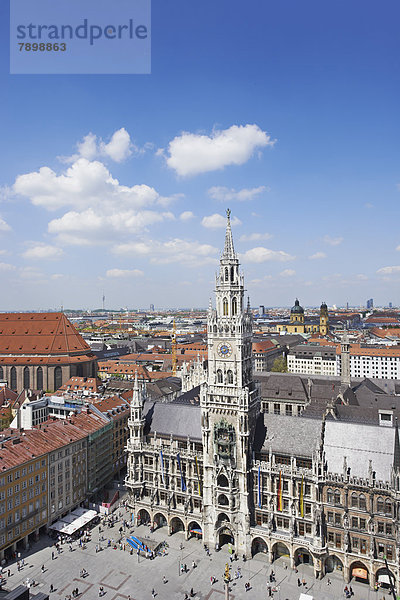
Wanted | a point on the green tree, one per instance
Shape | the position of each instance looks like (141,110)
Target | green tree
(280,365)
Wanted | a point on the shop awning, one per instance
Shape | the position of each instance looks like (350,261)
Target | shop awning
(360,573)
(384,578)
(73,522)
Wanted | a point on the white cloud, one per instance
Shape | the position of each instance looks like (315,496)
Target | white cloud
(118,149)
(43,251)
(100,207)
(191,154)
(260,255)
(4,226)
(91,226)
(225,194)
(217,221)
(6,267)
(173,251)
(124,273)
(388,270)
(32,274)
(255,237)
(317,256)
(361,277)
(332,241)
(287,273)
(186,215)
(83,184)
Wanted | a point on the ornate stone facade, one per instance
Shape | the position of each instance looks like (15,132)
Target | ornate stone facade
(262,482)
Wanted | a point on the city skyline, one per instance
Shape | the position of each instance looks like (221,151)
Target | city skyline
(119,184)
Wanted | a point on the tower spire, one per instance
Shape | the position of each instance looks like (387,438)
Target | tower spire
(229,250)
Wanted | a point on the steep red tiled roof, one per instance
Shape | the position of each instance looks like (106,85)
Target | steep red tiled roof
(39,333)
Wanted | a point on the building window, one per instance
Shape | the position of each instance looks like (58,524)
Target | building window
(39,378)
(219,376)
(57,378)
(277,409)
(13,378)
(234,306)
(26,378)
(225,307)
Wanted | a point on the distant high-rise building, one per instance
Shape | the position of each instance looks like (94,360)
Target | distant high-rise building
(370,303)
(390,304)
(261,310)
(152,307)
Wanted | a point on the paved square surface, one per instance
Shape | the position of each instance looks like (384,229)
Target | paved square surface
(123,575)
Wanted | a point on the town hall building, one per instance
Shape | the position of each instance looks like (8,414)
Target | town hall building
(311,487)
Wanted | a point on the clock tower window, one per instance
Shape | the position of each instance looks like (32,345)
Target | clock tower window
(230,377)
(225,307)
(234,306)
(219,376)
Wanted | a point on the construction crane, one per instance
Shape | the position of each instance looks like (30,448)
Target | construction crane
(173,349)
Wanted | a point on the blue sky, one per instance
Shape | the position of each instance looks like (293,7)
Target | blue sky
(288,113)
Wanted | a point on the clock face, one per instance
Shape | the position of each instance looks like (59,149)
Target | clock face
(224,350)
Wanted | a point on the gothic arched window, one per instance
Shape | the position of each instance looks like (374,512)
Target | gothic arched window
(379,505)
(388,507)
(337,497)
(234,306)
(57,378)
(226,274)
(26,378)
(329,496)
(225,307)
(230,377)
(362,503)
(13,378)
(354,500)
(232,273)
(39,378)
(219,376)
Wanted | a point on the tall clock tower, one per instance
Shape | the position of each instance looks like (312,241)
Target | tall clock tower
(230,405)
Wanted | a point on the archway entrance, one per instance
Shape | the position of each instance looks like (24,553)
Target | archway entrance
(194,530)
(359,572)
(258,545)
(303,557)
(333,563)
(384,577)
(279,550)
(225,537)
(143,517)
(177,525)
(159,520)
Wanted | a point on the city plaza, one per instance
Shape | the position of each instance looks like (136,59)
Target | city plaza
(123,575)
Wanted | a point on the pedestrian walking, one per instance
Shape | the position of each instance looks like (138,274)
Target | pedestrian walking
(51,588)
(42,568)
(9,573)
(52,555)
(164,579)
(153,593)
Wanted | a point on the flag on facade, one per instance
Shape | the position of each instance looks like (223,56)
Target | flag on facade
(302,497)
(162,467)
(280,504)
(183,483)
(198,474)
(259,487)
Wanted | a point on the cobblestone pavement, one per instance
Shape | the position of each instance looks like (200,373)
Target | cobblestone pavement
(123,575)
